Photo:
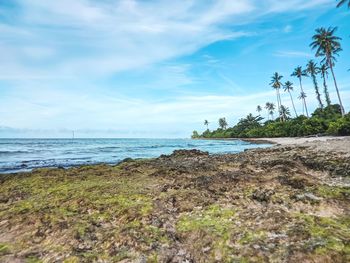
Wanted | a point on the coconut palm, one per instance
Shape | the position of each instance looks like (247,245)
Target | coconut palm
(277,84)
(223,123)
(324,74)
(206,123)
(270,108)
(313,70)
(267,107)
(303,96)
(258,109)
(288,87)
(285,112)
(299,73)
(343,2)
(327,45)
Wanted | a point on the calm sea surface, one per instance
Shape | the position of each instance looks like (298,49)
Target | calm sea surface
(26,154)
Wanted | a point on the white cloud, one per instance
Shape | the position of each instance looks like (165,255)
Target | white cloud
(102,37)
(287,29)
(51,43)
(293,54)
(90,37)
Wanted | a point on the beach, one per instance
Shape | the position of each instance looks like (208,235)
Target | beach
(286,203)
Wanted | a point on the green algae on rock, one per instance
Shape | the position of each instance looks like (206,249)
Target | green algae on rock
(264,205)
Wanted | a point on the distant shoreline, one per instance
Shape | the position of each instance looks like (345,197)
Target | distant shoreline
(283,140)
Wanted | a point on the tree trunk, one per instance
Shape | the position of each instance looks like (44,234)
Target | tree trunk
(280,104)
(336,86)
(291,98)
(318,95)
(301,87)
(326,93)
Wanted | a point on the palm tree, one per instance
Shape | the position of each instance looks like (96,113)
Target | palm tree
(327,45)
(271,109)
(324,74)
(258,109)
(299,73)
(288,87)
(277,84)
(303,96)
(313,70)
(223,123)
(206,123)
(343,2)
(285,112)
(267,107)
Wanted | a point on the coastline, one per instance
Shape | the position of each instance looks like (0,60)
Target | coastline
(296,140)
(288,203)
(283,141)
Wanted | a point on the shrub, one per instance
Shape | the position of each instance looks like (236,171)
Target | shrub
(340,126)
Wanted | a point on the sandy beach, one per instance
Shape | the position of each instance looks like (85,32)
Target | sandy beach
(287,203)
(326,143)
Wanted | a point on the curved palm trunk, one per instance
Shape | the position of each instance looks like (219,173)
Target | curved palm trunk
(304,100)
(318,95)
(336,87)
(291,98)
(280,104)
(325,90)
(303,108)
(278,101)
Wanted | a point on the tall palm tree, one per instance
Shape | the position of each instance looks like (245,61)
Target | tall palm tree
(288,87)
(324,74)
(267,107)
(313,70)
(277,84)
(299,73)
(303,96)
(206,123)
(327,45)
(343,2)
(258,109)
(271,109)
(223,123)
(285,112)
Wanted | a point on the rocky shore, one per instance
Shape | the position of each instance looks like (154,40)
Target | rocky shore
(288,203)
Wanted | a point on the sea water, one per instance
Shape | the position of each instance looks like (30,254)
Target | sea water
(17,155)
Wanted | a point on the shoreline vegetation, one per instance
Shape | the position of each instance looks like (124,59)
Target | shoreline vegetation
(323,122)
(287,203)
(327,119)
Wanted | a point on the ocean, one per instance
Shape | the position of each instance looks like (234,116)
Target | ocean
(20,155)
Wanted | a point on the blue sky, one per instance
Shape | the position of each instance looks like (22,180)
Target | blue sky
(152,68)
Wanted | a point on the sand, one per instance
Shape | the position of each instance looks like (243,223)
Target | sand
(325,143)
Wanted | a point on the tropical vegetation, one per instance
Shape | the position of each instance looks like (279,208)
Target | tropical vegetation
(328,118)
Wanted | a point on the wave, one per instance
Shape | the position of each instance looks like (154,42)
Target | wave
(24,155)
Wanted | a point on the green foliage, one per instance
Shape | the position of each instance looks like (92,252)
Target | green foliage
(341,126)
(223,123)
(322,121)
(195,135)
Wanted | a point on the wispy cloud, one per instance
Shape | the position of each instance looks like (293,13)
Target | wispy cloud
(105,64)
(293,54)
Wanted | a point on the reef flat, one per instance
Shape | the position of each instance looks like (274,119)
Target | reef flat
(281,204)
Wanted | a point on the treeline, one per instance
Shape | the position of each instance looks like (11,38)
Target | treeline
(328,118)
(326,121)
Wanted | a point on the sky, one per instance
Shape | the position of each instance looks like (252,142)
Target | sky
(128,68)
